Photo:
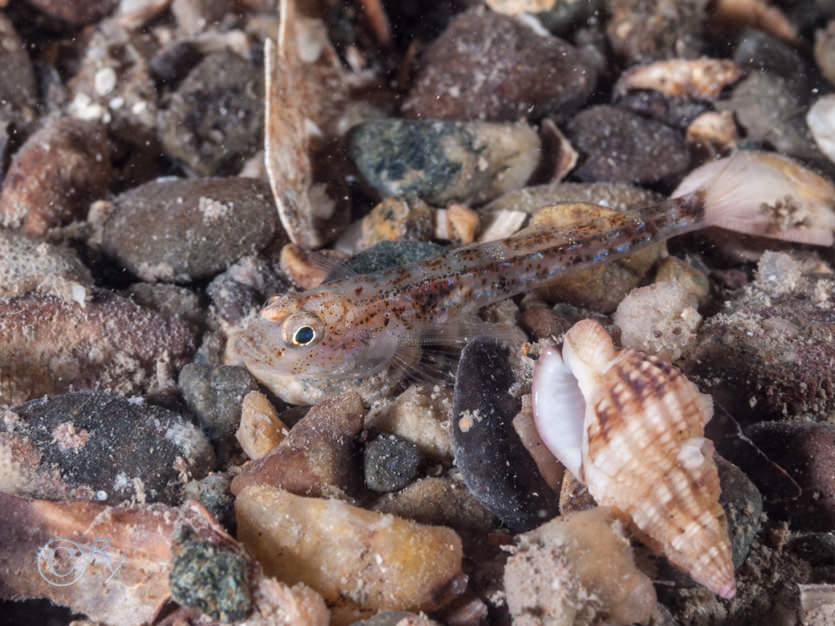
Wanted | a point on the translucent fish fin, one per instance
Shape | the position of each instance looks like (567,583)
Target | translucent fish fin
(766,195)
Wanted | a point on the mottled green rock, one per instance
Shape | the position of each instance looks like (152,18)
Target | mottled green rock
(209,578)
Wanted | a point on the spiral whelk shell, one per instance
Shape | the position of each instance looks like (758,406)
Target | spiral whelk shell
(642,447)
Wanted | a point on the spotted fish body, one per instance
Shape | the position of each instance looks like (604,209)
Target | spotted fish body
(356,326)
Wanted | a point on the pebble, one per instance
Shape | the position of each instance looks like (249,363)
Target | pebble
(677,270)
(261,428)
(27,266)
(50,346)
(244,287)
(55,175)
(18,90)
(113,85)
(317,456)
(75,12)
(214,394)
(390,463)
(419,415)
(769,349)
(644,31)
(213,493)
(574,569)
(396,618)
(615,196)
(492,460)
(184,230)
(193,16)
(397,219)
(743,506)
(215,120)
(441,161)
(347,554)
(757,51)
(173,62)
(510,71)
(388,254)
(620,146)
(208,577)
(821,122)
(659,319)
(807,453)
(766,106)
(439,501)
(825,51)
(102,447)
(171,301)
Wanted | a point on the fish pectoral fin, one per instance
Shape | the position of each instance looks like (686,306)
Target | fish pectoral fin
(463,329)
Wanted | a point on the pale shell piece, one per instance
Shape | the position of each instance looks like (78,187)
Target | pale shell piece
(643,450)
(765,194)
(695,78)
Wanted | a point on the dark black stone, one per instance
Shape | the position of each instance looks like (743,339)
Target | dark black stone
(125,440)
(619,146)
(390,463)
(495,465)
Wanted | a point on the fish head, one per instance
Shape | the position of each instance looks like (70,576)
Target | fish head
(312,336)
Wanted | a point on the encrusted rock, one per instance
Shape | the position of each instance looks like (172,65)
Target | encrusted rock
(75,12)
(574,570)
(660,319)
(55,175)
(769,350)
(208,577)
(18,93)
(94,446)
(49,346)
(650,30)
(490,66)
(444,161)
(397,219)
(27,266)
(183,230)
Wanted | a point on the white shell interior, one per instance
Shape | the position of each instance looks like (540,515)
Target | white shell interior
(559,409)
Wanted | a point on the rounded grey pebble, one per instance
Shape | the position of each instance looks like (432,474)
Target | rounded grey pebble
(390,463)
(494,464)
(213,493)
(244,287)
(184,230)
(619,146)
(215,394)
(104,441)
(209,578)
(215,120)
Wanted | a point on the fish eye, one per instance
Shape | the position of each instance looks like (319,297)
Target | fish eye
(304,335)
(302,329)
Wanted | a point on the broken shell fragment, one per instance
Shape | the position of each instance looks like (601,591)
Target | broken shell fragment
(641,447)
(765,194)
(693,78)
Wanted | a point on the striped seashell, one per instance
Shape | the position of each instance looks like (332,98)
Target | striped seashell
(642,447)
